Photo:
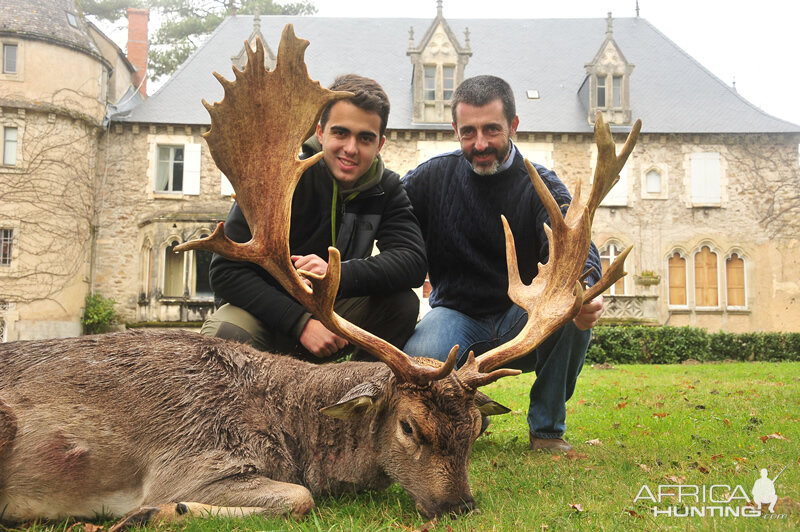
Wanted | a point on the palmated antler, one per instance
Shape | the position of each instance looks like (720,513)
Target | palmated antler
(556,294)
(256,133)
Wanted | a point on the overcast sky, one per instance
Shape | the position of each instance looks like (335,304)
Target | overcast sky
(754,43)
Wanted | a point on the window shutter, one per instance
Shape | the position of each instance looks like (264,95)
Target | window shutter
(706,178)
(191,169)
(677,280)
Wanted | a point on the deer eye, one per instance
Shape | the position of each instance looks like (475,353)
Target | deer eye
(407,430)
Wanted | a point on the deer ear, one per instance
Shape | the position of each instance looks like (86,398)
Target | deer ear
(488,407)
(356,402)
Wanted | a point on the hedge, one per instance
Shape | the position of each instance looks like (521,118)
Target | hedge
(670,345)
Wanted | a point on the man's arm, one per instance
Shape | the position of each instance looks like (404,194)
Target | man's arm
(400,263)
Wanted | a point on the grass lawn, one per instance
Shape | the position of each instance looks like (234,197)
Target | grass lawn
(690,425)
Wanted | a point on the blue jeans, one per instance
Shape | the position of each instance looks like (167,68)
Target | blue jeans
(557,361)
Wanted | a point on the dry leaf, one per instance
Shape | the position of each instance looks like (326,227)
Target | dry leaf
(576,506)
(661,414)
(575,455)
(714,457)
(593,442)
(703,470)
(677,480)
(774,436)
(634,514)
(623,404)
(728,423)
(645,467)
(740,459)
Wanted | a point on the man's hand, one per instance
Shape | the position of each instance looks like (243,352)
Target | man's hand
(589,314)
(321,342)
(310,263)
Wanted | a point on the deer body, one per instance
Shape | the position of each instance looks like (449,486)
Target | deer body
(114,422)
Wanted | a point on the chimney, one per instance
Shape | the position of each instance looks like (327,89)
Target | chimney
(137,45)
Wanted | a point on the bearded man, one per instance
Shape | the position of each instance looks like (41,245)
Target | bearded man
(458,198)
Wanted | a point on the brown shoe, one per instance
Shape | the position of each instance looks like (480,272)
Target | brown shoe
(549,445)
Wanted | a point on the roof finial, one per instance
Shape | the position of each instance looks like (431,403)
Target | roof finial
(609,24)
(438,8)
(637,8)
(466,37)
(411,37)
(256,22)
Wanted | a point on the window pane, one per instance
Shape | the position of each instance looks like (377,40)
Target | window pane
(177,170)
(617,90)
(607,256)
(10,58)
(448,82)
(734,273)
(705,273)
(6,241)
(429,87)
(677,280)
(202,260)
(653,182)
(10,146)
(601,91)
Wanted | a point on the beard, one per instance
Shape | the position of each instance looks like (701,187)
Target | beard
(500,155)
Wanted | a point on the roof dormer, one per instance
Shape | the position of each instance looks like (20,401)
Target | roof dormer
(608,77)
(438,61)
(270,60)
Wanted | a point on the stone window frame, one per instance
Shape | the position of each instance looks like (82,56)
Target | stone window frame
(619,247)
(745,264)
(663,171)
(163,250)
(146,261)
(18,74)
(7,247)
(192,165)
(713,249)
(684,256)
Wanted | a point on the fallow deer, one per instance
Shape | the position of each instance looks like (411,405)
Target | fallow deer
(131,422)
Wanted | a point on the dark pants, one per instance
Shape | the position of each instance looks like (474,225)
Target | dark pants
(391,317)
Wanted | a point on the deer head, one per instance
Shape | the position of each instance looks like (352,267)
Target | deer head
(256,133)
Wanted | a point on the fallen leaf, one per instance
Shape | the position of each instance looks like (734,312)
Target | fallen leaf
(661,414)
(593,442)
(576,506)
(556,457)
(645,467)
(714,457)
(774,436)
(740,459)
(728,423)
(634,514)
(623,404)
(703,470)
(677,480)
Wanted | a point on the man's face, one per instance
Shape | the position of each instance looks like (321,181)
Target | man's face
(350,141)
(485,135)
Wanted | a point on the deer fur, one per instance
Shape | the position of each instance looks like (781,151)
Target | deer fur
(111,423)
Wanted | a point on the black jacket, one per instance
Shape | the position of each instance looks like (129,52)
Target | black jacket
(380,212)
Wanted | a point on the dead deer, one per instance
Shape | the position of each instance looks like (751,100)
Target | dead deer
(132,422)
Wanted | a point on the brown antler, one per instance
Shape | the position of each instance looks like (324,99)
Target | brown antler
(256,133)
(556,293)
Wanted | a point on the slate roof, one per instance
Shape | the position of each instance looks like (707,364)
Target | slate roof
(46,20)
(670,91)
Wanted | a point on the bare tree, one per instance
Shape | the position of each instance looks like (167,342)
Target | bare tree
(769,176)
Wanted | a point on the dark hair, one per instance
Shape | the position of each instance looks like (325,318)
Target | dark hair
(480,90)
(369,96)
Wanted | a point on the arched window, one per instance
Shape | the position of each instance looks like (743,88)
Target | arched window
(607,255)
(677,280)
(653,182)
(706,288)
(173,271)
(734,281)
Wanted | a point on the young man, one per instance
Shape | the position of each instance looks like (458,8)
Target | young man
(458,199)
(348,199)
